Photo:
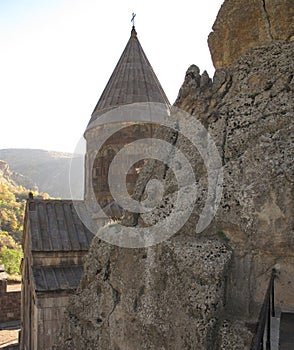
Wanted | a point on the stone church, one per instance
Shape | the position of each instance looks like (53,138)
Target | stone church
(55,239)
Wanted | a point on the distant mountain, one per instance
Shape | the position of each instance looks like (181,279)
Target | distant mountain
(47,170)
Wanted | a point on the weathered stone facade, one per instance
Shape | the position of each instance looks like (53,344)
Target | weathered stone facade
(9,300)
(97,176)
(54,244)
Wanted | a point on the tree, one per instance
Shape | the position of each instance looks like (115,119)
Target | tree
(11,259)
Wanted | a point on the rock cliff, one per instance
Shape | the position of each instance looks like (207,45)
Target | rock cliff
(248,110)
(241,25)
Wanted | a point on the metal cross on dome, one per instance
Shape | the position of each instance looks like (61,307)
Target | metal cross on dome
(133,19)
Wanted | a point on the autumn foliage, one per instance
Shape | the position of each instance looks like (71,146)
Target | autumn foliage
(12,205)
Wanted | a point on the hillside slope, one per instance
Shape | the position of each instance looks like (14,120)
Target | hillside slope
(14,190)
(46,170)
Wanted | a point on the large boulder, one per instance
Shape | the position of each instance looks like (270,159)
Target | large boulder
(165,297)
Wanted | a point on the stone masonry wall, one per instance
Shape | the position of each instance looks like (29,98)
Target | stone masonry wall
(9,301)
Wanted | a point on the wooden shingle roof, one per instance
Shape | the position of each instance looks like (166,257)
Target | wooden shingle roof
(55,226)
(133,80)
(56,278)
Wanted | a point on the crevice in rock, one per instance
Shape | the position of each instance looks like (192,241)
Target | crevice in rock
(173,142)
(227,86)
(107,271)
(267,17)
(251,279)
(115,292)
(288,84)
(223,146)
(116,300)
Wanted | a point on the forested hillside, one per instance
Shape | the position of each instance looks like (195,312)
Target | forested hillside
(23,171)
(12,203)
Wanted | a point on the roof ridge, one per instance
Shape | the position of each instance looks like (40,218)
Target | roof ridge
(35,200)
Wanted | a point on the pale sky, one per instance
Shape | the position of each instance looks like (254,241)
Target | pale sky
(56,57)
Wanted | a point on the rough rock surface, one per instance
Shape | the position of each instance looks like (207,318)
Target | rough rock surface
(166,297)
(248,111)
(243,24)
(249,114)
(234,335)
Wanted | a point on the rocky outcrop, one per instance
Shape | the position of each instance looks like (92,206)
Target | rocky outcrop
(249,114)
(248,111)
(166,297)
(241,25)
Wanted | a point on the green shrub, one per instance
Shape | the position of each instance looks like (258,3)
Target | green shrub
(11,259)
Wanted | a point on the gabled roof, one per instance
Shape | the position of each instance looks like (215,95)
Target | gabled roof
(55,226)
(56,278)
(133,80)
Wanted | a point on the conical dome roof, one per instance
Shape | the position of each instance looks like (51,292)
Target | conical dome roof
(133,80)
